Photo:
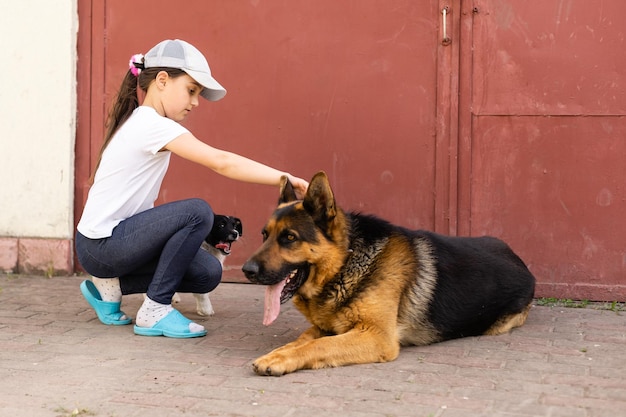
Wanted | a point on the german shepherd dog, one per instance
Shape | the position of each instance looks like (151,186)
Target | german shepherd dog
(369,287)
(225,231)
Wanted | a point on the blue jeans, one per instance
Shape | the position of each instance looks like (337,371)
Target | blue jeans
(156,251)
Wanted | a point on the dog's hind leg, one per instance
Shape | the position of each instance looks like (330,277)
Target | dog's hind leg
(506,323)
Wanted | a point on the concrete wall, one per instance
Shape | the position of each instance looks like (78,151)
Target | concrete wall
(38,119)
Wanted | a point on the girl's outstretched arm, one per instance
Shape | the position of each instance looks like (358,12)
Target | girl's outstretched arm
(230,164)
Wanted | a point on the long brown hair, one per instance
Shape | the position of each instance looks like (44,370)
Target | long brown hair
(127,101)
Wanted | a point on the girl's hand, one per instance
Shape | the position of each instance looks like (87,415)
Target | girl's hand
(299,186)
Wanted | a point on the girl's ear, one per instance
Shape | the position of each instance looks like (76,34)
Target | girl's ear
(161,79)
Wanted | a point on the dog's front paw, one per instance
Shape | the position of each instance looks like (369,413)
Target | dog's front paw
(203,305)
(205,312)
(272,364)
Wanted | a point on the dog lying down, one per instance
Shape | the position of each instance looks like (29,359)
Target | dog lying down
(225,231)
(368,287)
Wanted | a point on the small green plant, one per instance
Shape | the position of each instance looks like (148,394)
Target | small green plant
(50,270)
(614,306)
(576,304)
(562,302)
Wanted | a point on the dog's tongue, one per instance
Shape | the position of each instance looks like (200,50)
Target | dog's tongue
(272,302)
(224,246)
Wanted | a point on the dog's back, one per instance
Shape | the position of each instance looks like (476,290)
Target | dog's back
(447,287)
(474,285)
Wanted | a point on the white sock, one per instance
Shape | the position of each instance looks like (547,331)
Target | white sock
(151,312)
(109,288)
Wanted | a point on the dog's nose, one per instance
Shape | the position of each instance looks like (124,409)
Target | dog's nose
(250,270)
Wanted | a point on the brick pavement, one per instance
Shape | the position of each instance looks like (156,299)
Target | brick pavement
(56,359)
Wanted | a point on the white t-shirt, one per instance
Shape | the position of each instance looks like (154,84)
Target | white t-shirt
(131,171)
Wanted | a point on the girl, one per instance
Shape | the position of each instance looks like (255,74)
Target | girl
(126,243)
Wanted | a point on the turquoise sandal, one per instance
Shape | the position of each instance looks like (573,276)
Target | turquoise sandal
(108,312)
(173,325)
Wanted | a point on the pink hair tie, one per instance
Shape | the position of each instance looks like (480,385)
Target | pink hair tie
(136,64)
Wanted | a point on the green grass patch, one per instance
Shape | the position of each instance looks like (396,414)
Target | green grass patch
(569,303)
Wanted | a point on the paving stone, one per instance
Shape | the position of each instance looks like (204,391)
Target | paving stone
(57,359)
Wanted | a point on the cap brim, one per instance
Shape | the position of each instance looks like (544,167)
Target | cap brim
(212,91)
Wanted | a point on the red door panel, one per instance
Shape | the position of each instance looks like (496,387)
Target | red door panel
(547,140)
(554,188)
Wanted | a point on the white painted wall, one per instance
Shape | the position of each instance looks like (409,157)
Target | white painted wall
(37,117)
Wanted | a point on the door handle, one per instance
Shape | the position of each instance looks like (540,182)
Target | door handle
(445,39)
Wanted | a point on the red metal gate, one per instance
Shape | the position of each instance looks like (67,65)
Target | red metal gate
(546,134)
(514,128)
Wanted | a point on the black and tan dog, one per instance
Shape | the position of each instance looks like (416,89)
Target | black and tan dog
(368,286)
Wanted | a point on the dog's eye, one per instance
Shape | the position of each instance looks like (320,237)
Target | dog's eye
(288,237)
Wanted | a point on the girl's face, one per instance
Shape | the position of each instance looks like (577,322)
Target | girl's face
(177,96)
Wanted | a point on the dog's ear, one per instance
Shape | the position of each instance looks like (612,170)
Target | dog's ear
(238,226)
(319,201)
(287,192)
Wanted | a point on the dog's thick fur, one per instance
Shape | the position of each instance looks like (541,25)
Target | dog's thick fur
(368,287)
(225,231)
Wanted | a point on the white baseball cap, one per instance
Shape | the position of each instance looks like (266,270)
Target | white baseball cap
(182,55)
